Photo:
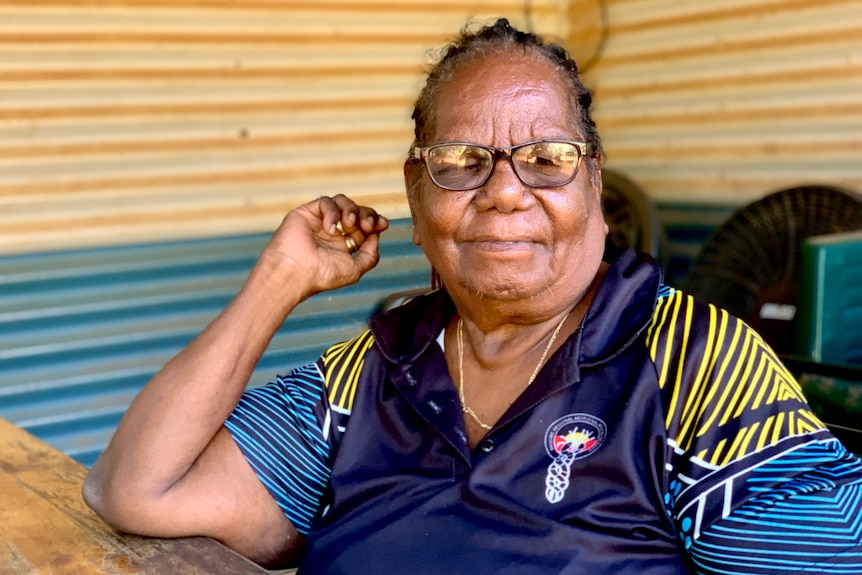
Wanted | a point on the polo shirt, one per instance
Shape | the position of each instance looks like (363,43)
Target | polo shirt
(658,422)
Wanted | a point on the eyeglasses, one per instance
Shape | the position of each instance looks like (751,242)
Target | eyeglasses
(460,166)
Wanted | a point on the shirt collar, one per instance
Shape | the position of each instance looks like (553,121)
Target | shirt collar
(621,310)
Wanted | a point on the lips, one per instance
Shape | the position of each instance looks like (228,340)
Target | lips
(497,238)
(501,236)
(502,245)
(501,241)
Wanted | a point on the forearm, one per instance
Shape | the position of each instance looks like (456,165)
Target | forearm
(804,534)
(171,469)
(802,516)
(176,416)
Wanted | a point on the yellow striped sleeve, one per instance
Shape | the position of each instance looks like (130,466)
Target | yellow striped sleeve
(342,366)
(725,391)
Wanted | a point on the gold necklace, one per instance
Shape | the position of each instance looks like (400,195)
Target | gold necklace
(464,407)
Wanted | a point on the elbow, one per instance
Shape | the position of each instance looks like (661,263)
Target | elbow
(97,494)
(92,493)
(279,547)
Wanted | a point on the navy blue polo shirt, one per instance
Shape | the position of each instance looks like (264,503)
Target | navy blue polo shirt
(656,420)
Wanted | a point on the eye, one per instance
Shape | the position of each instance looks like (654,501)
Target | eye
(544,156)
(473,159)
(545,160)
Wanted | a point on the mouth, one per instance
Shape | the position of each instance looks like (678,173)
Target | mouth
(502,245)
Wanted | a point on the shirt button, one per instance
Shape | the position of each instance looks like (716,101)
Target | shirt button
(487,446)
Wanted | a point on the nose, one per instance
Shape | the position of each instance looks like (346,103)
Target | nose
(504,190)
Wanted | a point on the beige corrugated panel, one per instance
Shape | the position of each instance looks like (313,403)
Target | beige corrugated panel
(131,120)
(726,100)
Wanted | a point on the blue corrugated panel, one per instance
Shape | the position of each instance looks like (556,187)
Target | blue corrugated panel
(688,226)
(82,331)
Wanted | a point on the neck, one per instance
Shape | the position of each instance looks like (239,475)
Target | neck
(496,332)
(491,314)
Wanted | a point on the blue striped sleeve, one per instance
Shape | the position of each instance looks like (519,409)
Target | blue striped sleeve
(282,429)
(804,516)
(756,484)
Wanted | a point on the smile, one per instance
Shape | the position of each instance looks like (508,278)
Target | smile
(500,245)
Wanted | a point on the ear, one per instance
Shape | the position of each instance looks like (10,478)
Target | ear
(412,175)
(412,184)
(596,181)
(596,175)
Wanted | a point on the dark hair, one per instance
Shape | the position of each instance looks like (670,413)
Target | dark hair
(496,38)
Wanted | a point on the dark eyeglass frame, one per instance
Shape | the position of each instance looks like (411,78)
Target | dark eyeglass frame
(421,154)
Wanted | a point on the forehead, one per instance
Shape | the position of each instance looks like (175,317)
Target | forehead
(506,94)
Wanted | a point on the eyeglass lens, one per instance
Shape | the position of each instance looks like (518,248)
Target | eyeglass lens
(538,165)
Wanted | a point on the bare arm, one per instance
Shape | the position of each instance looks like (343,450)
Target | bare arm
(171,469)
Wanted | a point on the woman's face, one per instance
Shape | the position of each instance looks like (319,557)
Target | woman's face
(505,240)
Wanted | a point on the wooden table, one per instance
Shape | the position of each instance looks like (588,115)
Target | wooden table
(46,528)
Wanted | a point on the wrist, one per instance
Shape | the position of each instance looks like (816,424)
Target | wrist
(276,285)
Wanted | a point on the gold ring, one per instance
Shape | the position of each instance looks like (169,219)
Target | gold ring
(351,244)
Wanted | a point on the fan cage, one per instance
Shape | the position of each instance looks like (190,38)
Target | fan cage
(750,264)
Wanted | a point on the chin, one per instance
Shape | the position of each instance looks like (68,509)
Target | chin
(504,290)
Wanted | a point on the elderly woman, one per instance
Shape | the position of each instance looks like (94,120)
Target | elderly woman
(545,412)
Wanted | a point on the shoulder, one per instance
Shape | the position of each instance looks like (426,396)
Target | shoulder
(722,382)
(341,366)
(684,330)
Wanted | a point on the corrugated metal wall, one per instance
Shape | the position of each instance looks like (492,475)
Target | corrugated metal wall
(725,100)
(82,331)
(132,120)
(127,121)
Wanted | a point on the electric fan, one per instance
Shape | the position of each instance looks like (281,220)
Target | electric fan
(750,264)
(632,219)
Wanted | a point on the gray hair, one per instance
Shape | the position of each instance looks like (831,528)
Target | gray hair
(497,38)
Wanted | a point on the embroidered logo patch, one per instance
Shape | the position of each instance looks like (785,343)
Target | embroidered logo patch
(571,437)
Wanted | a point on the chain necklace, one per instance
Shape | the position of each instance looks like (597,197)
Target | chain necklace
(464,407)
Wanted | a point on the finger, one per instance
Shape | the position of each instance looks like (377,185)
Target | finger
(351,221)
(349,212)
(370,221)
(355,217)
(350,244)
(327,210)
(357,222)
(352,239)
(382,224)
(368,254)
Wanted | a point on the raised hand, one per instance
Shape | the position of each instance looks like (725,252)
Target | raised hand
(171,468)
(325,244)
